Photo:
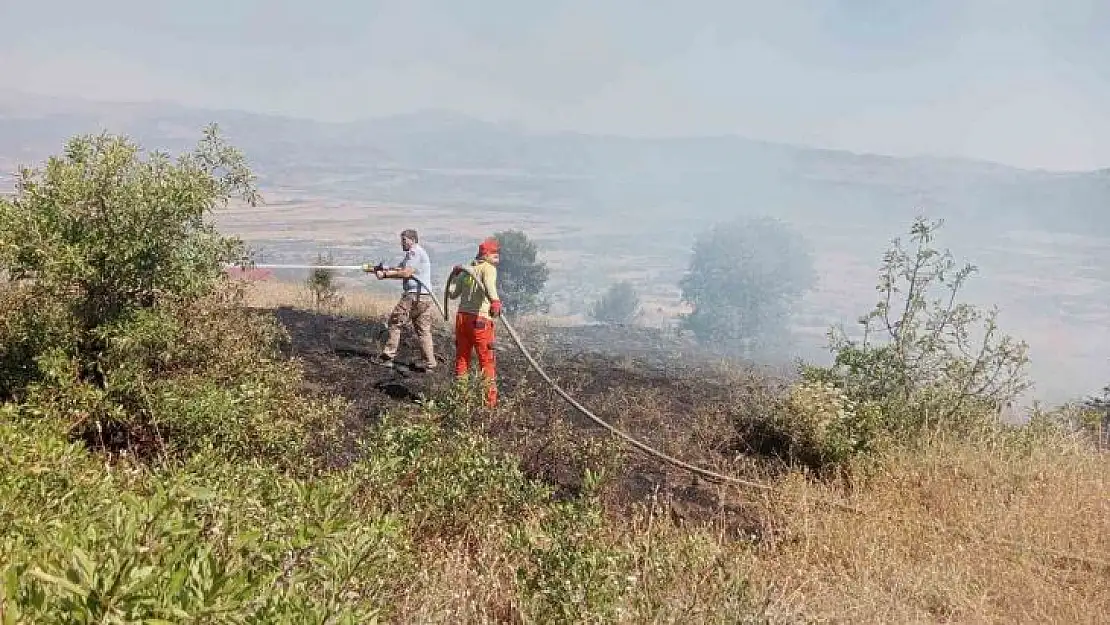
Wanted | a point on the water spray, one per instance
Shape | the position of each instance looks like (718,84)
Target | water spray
(333,267)
(366,268)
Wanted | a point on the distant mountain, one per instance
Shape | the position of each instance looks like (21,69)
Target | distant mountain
(441,156)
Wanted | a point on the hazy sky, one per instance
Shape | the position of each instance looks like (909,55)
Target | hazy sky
(1025,82)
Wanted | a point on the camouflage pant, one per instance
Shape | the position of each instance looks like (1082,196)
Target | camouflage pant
(419,311)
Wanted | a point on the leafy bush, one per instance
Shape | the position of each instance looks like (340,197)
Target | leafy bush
(825,428)
(520,276)
(452,479)
(100,234)
(119,319)
(619,305)
(212,538)
(923,360)
(571,574)
(321,284)
(1077,422)
(213,541)
(1099,416)
(743,278)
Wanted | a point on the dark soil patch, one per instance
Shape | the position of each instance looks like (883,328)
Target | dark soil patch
(113,439)
(664,395)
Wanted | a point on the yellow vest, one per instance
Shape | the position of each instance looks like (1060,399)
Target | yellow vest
(471,298)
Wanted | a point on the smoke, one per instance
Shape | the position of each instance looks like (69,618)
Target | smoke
(1023,82)
(1020,82)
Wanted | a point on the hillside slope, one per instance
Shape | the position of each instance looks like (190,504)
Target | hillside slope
(436,156)
(200,455)
(937,535)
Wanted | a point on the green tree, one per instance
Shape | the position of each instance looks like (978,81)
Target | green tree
(924,355)
(1100,406)
(101,234)
(618,305)
(521,277)
(321,283)
(743,279)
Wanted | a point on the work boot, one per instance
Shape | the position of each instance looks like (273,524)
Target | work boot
(382,360)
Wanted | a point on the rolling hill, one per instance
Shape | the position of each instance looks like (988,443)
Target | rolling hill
(435,155)
(606,207)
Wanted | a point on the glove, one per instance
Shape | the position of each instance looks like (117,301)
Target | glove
(495,308)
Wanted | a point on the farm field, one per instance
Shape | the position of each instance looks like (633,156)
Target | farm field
(1049,288)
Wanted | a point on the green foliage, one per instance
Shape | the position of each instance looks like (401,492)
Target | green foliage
(321,283)
(743,278)
(618,305)
(520,276)
(215,539)
(924,359)
(827,428)
(210,541)
(119,322)
(451,479)
(1099,408)
(1071,428)
(571,575)
(921,347)
(100,234)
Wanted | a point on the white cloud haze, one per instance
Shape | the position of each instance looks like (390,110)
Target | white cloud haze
(1024,82)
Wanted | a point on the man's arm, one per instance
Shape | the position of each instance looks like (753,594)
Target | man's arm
(489,280)
(399,272)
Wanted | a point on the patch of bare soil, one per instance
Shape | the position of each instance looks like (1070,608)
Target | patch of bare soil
(657,388)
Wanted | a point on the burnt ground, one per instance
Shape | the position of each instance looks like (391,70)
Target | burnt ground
(657,387)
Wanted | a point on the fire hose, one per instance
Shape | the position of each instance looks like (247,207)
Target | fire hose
(712,476)
(647,449)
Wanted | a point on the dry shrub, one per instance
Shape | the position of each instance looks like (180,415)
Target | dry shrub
(462,584)
(268,294)
(937,539)
(935,542)
(654,570)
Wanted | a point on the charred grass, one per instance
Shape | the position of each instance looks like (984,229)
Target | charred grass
(304,483)
(1005,527)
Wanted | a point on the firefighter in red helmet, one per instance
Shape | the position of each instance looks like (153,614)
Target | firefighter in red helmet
(474,321)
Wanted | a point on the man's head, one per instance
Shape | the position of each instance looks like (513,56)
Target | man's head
(490,251)
(408,239)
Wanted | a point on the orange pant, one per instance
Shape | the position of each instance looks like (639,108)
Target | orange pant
(476,333)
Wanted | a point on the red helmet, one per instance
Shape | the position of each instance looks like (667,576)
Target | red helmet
(489,246)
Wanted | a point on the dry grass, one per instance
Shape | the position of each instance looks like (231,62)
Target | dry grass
(673,575)
(936,541)
(821,565)
(461,585)
(891,565)
(353,303)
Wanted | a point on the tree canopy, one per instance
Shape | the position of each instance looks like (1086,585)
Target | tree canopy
(743,278)
(521,277)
